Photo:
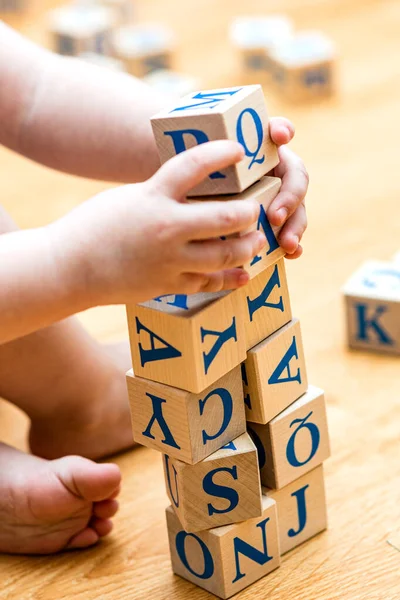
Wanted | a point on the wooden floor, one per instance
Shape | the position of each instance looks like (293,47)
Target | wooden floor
(351,147)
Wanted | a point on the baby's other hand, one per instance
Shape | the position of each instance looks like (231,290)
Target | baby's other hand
(288,207)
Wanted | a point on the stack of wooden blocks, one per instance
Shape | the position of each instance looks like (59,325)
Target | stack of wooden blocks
(220,384)
(372,300)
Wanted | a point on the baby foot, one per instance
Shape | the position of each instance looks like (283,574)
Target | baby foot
(98,425)
(48,506)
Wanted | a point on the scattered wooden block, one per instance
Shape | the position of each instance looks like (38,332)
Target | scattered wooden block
(226,559)
(264,191)
(305,67)
(171,83)
(266,304)
(184,425)
(254,38)
(274,374)
(12,6)
(223,488)
(187,342)
(301,507)
(80,28)
(294,442)
(238,114)
(372,298)
(144,48)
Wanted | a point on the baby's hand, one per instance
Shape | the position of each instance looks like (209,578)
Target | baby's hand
(288,207)
(144,240)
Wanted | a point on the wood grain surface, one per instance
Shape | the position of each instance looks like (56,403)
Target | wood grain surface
(351,148)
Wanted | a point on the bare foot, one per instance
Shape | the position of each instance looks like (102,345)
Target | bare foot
(96,425)
(48,506)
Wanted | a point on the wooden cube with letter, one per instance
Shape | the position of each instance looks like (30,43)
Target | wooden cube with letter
(265,304)
(274,373)
(301,507)
(187,341)
(264,191)
(294,442)
(76,29)
(12,6)
(254,38)
(144,48)
(223,488)
(304,67)
(187,426)
(237,114)
(372,298)
(225,560)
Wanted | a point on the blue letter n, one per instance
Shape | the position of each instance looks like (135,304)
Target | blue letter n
(259,556)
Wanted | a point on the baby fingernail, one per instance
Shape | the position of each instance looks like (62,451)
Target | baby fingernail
(282,215)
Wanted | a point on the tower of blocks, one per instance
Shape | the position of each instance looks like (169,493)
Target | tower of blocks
(372,301)
(219,383)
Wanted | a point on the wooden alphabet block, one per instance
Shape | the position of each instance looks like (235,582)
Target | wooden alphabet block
(226,559)
(264,191)
(184,425)
(294,442)
(144,48)
(12,6)
(266,304)
(187,341)
(274,374)
(236,114)
(254,38)
(301,507)
(223,488)
(305,67)
(80,28)
(372,299)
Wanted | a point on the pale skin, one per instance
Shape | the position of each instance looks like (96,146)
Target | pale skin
(125,245)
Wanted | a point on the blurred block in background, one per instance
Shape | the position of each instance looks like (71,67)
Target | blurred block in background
(304,67)
(254,38)
(79,28)
(372,300)
(144,48)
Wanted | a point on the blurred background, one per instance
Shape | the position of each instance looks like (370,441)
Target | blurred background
(349,141)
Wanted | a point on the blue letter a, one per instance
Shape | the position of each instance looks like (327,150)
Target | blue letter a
(265,225)
(222,338)
(284,364)
(166,351)
(258,556)
(261,300)
(159,417)
(366,324)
